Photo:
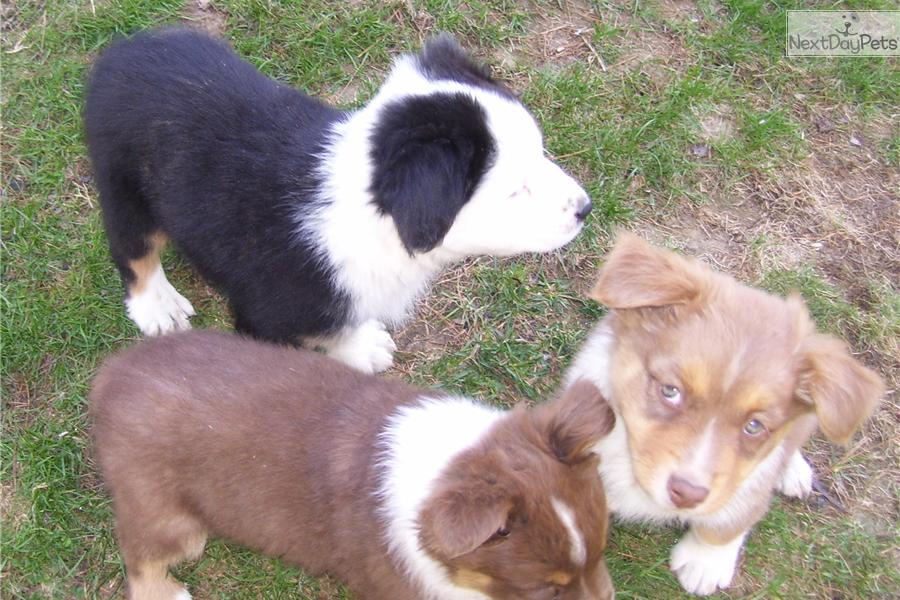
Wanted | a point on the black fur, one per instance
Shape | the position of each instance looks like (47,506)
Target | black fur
(429,153)
(188,139)
(443,58)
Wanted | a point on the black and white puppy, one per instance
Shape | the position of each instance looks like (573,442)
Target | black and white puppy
(320,226)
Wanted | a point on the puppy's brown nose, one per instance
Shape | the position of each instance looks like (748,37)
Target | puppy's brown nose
(685,494)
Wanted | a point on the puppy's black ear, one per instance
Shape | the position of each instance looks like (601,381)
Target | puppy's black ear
(429,154)
(443,58)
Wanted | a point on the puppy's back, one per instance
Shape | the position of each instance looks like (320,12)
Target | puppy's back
(164,78)
(203,427)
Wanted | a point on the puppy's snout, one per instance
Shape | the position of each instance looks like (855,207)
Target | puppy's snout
(685,494)
(584,209)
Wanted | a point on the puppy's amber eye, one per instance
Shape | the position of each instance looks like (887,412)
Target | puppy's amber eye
(671,395)
(754,427)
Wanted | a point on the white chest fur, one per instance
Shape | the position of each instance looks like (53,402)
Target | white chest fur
(361,245)
(418,443)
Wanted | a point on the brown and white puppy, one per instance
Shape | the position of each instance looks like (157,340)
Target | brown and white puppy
(715,386)
(400,492)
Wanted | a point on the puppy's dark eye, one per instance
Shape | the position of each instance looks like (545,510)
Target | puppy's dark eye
(502,532)
(552,592)
(671,395)
(754,427)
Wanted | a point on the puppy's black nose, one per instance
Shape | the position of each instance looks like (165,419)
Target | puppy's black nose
(582,213)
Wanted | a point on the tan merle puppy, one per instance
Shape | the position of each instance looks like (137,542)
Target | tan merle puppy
(715,386)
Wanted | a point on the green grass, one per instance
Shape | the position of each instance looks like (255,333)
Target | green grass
(875,325)
(508,327)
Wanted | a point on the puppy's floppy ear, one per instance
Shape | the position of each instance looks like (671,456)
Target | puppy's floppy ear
(429,154)
(461,517)
(842,391)
(637,275)
(576,421)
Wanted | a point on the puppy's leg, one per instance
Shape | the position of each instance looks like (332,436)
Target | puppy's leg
(797,478)
(135,242)
(704,562)
(150,546)
(151,301)
(368,347)
(151,581)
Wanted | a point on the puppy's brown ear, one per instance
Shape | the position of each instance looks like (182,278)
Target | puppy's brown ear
(462,517)
(576,421)
(637,275)
(842,391)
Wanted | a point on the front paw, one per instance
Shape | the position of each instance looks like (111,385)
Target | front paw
(797,479)
(701,567)
(368,348)
(159,308)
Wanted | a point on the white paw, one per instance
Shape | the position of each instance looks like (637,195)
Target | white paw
(183,595)
(368,348)
(159,308)
(797,479)
(702,568)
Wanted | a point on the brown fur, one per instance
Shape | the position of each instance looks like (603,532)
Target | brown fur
(736,354)
(494,486)
(145,266)
(207,434)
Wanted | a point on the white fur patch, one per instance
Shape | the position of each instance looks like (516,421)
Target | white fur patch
(578,550)
(183,595)
(368,348)
(593,360)
(701,567)
(418,443)
(698,465)
(796,479)
(159,308)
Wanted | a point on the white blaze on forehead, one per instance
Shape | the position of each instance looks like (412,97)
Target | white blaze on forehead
(578,551)
(697,467)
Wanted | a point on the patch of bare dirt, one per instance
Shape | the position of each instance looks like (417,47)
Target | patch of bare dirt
(714,124)
(13,508)
(562,38)
(203,14)
(345,97)
(648,48)
(680,10)
(652,52)
(27,395)
(433,331)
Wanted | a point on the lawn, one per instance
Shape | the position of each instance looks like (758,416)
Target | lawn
(683,120)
